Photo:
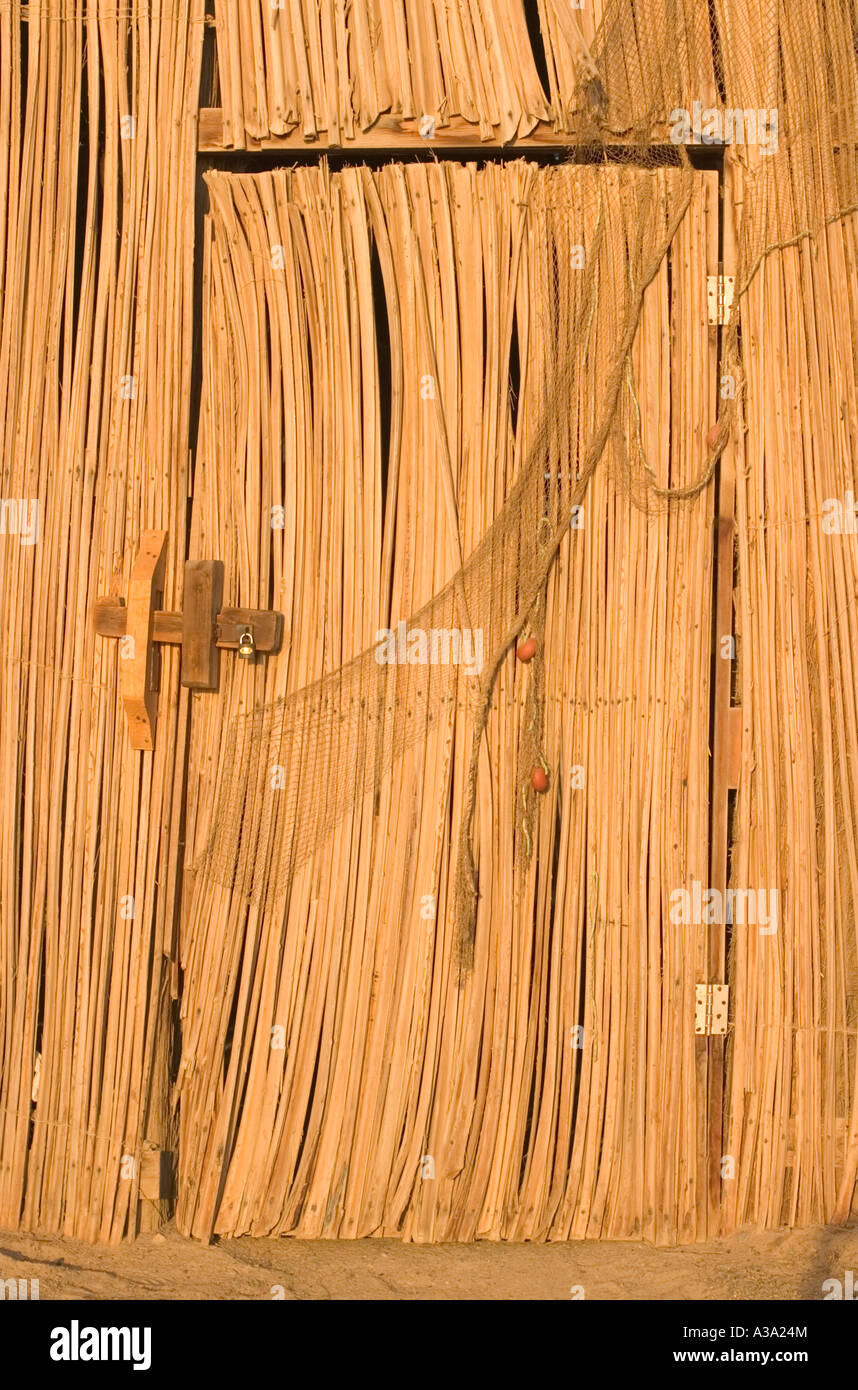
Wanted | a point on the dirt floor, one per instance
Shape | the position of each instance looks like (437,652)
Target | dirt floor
(775,1265)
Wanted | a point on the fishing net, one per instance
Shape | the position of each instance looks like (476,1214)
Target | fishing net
(777,83)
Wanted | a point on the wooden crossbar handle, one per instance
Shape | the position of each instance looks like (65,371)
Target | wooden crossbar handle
(110,617)
(202,630)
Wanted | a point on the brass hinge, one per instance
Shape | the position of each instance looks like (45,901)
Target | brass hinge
(710,1010)
(719,296)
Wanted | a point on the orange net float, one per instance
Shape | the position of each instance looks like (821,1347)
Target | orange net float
(713,438)
(539,778)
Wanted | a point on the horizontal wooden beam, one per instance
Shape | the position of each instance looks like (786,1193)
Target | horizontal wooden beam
(394,133)
(391,134)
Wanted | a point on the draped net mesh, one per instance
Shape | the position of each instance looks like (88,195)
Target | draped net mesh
(780,81)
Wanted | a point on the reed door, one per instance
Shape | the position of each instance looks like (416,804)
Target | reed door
(337,1077)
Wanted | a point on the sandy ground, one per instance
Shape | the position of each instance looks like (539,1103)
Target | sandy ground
(774,1265)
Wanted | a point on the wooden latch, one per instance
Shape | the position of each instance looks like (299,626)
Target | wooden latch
(200,630)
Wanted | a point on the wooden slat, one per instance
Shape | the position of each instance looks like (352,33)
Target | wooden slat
(140,666)
(201,598)
(722,259)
